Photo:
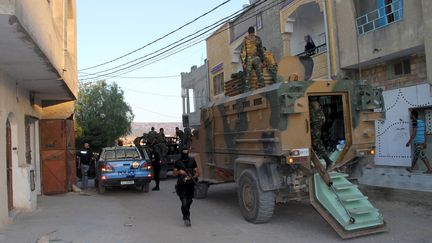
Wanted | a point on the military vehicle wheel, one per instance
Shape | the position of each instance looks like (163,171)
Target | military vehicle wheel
(101,188)
(256,205)
(201,189)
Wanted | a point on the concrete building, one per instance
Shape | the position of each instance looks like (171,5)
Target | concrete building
(194,82)
(389,43)
(224,46)
(299,18)
(38,80)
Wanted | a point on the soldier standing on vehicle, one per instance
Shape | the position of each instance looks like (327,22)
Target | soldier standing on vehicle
(271,64)
(317,122)
(252,56)
(152,137)
(85,157)
(187,174)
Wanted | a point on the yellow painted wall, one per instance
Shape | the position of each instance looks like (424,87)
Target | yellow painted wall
(218,51)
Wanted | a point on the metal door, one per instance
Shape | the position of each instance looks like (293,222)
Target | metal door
(9,164)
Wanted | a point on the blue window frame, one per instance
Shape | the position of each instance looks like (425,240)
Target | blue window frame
(387,12)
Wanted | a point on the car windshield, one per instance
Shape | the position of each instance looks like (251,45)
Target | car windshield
(121,154)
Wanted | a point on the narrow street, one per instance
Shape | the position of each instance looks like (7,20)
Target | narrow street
(130,216)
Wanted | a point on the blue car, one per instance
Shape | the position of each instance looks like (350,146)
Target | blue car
(122,167)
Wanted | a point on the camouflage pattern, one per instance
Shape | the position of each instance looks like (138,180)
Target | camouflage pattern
(252,56)
(271,64)
(261,128)
(316,124)
(152,138)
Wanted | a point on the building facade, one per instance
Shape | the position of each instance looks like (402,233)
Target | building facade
(195,95)
(38,80)
(389,44)
(224,46)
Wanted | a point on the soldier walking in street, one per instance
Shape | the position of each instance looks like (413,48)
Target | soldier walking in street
(252,56)
(317,122)
(418,136)
(187,173)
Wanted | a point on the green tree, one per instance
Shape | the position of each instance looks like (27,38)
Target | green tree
(101,114)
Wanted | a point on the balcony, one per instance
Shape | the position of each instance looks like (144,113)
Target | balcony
(319,57)
(380,17)
(38,48)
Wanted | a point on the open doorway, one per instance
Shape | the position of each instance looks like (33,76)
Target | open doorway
(9,164)
(328,126)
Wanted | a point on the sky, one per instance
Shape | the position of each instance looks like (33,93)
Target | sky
(109,29)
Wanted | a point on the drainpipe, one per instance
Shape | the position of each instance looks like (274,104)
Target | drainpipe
(329,74)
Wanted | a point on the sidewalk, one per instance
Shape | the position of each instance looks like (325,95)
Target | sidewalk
(396,178)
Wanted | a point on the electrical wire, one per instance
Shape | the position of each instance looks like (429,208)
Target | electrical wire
(181,41)
(160,38)
(275,3)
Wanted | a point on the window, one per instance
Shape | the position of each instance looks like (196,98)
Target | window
(380,13)
(218,83)
(259,23)
(398,68)
(402,68)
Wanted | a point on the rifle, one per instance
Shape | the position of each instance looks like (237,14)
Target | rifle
(189,175)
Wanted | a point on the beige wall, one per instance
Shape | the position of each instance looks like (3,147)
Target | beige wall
(15,103)
(53,32)
(218,51)
(401,35)
(380,75)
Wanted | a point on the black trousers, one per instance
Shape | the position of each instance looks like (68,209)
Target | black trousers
(156,172)
(185,192)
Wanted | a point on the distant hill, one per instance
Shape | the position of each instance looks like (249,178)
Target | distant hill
(138,128)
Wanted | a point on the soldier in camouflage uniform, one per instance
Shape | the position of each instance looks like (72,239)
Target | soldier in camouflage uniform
(252,56)
(317,122)
(271,64)
(152,137)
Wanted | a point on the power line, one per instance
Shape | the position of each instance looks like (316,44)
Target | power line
(154,112)
(145,77)
(175,44)
(275,3)
(160,38)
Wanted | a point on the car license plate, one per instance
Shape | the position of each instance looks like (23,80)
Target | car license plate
(126,182)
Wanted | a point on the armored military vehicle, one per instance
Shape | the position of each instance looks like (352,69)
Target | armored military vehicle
(261,140)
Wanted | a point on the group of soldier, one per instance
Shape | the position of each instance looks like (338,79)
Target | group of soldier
(255,57)
(185,168)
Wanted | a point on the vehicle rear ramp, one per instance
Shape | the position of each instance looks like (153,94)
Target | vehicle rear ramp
(344,207)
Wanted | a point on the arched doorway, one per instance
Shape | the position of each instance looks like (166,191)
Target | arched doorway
(9,164)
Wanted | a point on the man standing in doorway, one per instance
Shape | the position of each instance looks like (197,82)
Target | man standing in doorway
(187,173)
(85,157)
(418,135)
(252,56)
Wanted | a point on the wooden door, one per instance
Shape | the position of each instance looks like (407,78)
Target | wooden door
(9,165)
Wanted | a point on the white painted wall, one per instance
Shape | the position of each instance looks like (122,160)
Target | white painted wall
(308,21)
(393,133)
(15,104)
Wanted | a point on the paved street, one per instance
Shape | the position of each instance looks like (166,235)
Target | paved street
(130,216)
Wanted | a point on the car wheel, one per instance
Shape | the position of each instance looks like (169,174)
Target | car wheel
(101,188)
(255,204)
(144,187)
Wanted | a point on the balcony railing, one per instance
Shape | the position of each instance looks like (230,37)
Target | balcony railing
(317,50)
(380,17)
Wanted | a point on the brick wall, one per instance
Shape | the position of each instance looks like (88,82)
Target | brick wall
(381,75)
